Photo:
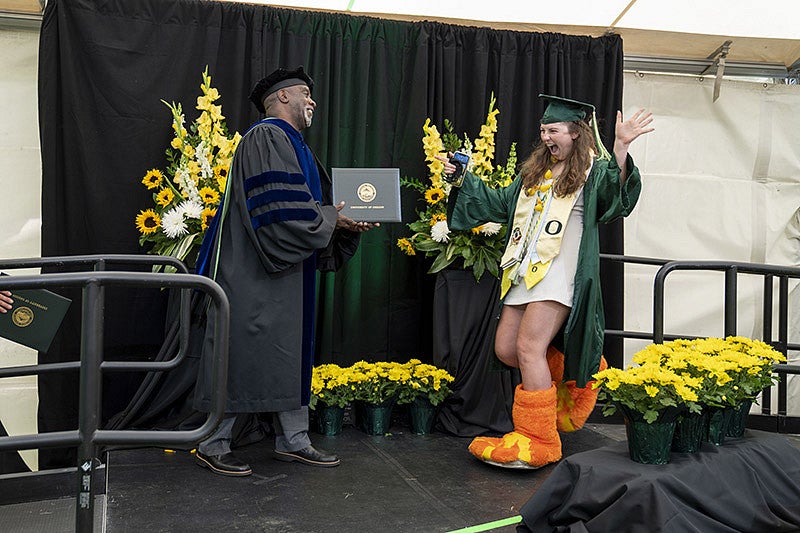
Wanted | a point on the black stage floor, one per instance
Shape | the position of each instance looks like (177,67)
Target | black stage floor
(399,482)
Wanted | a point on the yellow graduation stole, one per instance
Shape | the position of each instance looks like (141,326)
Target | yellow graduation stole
(538,227)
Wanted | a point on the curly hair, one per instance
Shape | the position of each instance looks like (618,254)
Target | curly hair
(577,163)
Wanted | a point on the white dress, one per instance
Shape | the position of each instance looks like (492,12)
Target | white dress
(559,281)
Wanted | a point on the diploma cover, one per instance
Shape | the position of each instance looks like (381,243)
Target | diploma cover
(369,194)
(34,317)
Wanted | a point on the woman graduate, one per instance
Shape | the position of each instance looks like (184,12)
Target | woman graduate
(551,271)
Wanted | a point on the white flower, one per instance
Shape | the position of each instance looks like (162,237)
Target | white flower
(187,185)
(181,177)
(201,155)
(440,232)
(191,209)
(491,228)
(173,223)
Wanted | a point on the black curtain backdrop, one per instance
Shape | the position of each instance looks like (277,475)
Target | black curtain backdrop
(105,65)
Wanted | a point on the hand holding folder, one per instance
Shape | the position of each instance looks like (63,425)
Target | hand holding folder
(31,317)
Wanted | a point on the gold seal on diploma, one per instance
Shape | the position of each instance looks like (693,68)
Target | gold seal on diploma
(366,192)
(22,316)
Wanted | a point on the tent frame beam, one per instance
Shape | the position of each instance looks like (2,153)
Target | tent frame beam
(699,67)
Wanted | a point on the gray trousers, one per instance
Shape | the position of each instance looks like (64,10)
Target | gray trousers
(291,433)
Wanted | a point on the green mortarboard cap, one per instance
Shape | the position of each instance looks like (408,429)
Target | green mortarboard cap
(564,110)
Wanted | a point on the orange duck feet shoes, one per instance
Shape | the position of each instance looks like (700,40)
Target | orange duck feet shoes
(534,441)
(575,404)
(514,450)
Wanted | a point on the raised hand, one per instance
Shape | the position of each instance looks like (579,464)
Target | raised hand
(631,129)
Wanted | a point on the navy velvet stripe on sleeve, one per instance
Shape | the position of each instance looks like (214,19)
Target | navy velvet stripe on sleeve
(277,195)
(282,215)
(271,177)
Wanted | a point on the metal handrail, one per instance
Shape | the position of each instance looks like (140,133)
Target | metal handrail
(89,436)
(732,271)
(92,311)
(100,263)
(658,309)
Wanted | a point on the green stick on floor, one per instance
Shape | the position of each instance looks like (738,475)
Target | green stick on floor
(489,525)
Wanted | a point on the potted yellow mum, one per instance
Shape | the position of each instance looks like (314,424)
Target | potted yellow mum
(733,371)
(650,398)
(332,389)
(426,388)
(376,388)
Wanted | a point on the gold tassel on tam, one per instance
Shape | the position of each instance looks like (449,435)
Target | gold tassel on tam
(534,442)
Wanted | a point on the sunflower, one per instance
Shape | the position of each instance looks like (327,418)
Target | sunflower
(165,197)
(405,245)
(438,217)
(209,196)
(206,216)
(434,195)
(221,171)
(147,222)
(153,178)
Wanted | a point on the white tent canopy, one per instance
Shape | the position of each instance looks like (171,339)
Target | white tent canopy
(760,32)
(764,36)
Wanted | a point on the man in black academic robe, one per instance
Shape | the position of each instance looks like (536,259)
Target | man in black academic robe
(275,228)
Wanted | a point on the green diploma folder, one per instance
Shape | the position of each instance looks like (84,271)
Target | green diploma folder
(34,317)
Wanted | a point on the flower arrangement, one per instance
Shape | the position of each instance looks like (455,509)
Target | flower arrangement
(427,382)
(691,373)
(479,248)
(187,195)
(377,383)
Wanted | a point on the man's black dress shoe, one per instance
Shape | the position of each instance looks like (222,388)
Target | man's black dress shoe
(310,456)
(224,465)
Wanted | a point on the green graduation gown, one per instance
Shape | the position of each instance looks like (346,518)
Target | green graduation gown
(604,200)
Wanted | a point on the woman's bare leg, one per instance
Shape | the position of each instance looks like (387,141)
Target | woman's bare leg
(539,325)
(523,335)
(505,340)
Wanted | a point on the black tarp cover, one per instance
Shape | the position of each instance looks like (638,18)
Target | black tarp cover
(750,484)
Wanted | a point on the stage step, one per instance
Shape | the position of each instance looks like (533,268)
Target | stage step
(48,516)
